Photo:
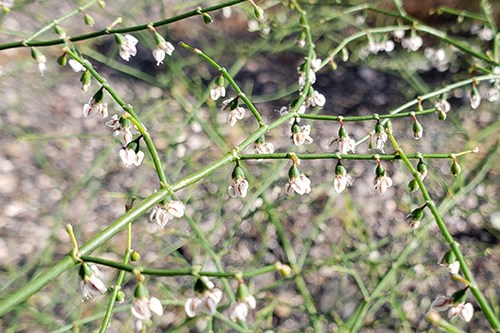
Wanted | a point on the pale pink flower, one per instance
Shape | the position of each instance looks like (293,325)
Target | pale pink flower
(143,309)
(235,115)
(341,182)
(464,310)
(240,309)
(205,302)
(382,183)
(93,108)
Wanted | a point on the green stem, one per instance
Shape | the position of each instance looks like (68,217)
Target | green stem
(106,31)
(388,157)
(180,271)
(229,78)
(475,290)
(112,300)
(369,117)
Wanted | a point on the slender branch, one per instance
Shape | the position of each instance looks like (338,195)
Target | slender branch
(105,32)
(475,290)
(229,78)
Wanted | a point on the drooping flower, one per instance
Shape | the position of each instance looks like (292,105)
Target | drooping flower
(449,260)
(164,213)
(236,112)
(475,97)
(344,142)
(300,134)
(127,46)
(162,48)
(464,310)
(297,182)
(96,106)
(239,185)
(260,146)
(218,91)
(206,299)
(415,217)
(379,139)
(144,306)
(76,66)
(244,303)
(413,43)
(442,108)
(40,59)
(86,80)
(381,182)
(418,130)
(131,154)
(315,98)
(123,129)
(91,284)
(342,178)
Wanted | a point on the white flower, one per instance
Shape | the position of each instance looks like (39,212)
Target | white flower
(92,285)
(240,309)
(128,47)
(443,105)
(263,148)
(217,92)
(493,94)
(475,99)
(130,157)
(398,34)
(441,303)
(382,183)
(76,66)
(42,63)
(486,34)
(161,50)
(162,214)
(453,268)
(238,188)
(465,311)
(300,134)
(301,185)
(123,132)
(205,302)
(341,182)
(144,308)
(235,115)
(317,99)
(346,145)
(413,43)
(93,108)
(379,140)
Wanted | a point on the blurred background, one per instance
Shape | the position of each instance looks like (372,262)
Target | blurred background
(57,167)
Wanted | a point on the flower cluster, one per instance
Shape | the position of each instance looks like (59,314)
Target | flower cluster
(206,299)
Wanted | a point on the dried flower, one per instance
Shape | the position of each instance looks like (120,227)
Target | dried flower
(164,213)
(206,299)
(91,284)
(127,46)
(300,134)
(441,303)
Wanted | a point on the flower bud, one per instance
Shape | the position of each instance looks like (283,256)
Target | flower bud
(86,80)
(120,296)
(89,20)
(59,31)
(207,18)
(135,256)
(62,60)
(413,185)
(441,115)
(422,168)
(259,12)
(455,168)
